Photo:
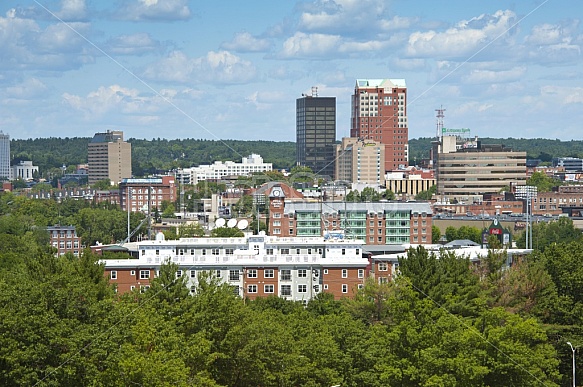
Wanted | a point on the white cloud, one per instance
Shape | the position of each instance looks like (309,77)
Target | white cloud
(566,95)
(135,44)
(342,15)
(72,10)
(303,45)
(245,42)
(29,89)
(463,40)
(215,67)
(482,76)
(155,10)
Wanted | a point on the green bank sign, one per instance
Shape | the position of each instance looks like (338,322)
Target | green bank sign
(456,132)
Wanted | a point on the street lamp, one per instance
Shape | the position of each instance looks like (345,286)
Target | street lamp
(573,349)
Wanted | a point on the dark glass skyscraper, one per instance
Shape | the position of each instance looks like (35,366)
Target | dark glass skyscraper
(316,134)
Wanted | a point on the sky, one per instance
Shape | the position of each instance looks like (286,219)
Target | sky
(233,69)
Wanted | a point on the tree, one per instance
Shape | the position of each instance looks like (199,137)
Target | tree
(427,194)
(542,182)
(545,234)
(191,230)
(388,195)
(435,234)
(226,232)
(104,185)
(369,194)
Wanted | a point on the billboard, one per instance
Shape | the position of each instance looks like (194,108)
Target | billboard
(461,132)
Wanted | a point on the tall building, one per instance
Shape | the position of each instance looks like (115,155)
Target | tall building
(146,194)
(379,113)
(360,161)
(316,133)
(109,157)
(4,156)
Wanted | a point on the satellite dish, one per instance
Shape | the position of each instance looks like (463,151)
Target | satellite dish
(232,223)
(242,225)
(220,222)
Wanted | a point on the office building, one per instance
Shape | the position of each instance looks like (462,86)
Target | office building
(4,156)
(316,134)
(467,169)
(109,157)
(379,113)
(360,161)
(570,164)
(24,170)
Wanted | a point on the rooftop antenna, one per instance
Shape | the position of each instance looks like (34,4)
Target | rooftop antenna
(440,117)
(314,91)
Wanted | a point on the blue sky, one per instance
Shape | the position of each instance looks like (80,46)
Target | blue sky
(233,69)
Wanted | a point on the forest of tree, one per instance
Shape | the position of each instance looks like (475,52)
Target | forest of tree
(442,322)
(150,156)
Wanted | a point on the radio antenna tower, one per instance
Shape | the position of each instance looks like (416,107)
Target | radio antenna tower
(314,91)
(440,117)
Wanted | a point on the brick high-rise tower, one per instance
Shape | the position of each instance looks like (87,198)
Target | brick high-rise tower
(379,113)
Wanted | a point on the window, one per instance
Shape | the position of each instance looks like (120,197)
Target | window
(143,288)
(268,273)
(325,271)
(229,251)
(383,266)
(360,286)
(192,289)
(144,274)
(193,274)
(251,288)
(302,273)
(285,251)
(325,286)
(203,252)
(344,273)
(157,252)
(360,273)
(285,290)
(267,288)
(298,251)
(343,251)
(269,251)
(178,273)
(316,288)
(252,273)
(113,274)
(285,275)
(132,287)
(215,251)
(344,288)
(233,275)
(218,274)
(302,288)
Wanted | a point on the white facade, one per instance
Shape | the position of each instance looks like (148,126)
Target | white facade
(218,170)
(4,156)
(24,170)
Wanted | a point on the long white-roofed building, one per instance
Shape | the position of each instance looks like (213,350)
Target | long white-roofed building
(256,265)
(219,169)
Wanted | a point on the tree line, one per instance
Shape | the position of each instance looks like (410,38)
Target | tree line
(151,156)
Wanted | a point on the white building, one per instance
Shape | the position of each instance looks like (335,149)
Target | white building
(24,170)
(294,268)
(4,156)
(218,170)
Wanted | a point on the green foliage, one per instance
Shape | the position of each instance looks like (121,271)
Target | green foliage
(464,232)
(545,234)
(427,194)
(103,185)
(542,182)
(435,234)
(226,232)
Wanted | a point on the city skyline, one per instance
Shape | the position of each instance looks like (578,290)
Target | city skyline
(181,69)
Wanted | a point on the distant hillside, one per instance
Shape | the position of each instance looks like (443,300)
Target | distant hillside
(149,156)
(536,148)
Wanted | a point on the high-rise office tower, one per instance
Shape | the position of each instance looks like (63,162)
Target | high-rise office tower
(109,157)
(316,133)
(379,113)
(4,156)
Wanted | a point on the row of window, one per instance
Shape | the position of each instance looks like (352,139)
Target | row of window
(234,275)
